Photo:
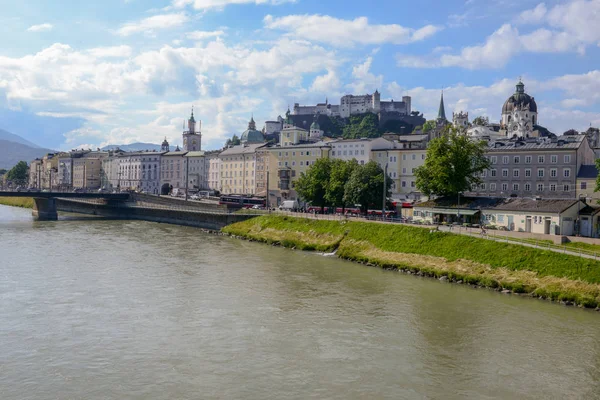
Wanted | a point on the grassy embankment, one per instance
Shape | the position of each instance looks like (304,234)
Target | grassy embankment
(25,202)
(472,260)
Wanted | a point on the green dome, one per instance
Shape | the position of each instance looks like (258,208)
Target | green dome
(315,126)
(252,136)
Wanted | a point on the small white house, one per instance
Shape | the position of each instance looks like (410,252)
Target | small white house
(550,217)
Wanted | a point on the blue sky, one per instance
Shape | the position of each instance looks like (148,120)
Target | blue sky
(84,74)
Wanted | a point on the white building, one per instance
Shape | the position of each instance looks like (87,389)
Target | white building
(214,170)
(359,149)
(238,169)
(519,113)
(197,170)
(139,171)
(173,168)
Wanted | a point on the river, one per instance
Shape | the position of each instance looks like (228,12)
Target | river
(96,309)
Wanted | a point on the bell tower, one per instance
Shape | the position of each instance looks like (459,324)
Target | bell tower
(191,138)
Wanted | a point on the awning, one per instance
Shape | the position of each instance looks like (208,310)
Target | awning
(453,211)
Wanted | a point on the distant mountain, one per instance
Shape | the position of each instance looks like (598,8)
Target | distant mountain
(133,147)
(12,152)
(5,135)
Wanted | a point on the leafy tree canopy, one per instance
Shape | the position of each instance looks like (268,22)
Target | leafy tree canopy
(365,186)
(340,174)
(312,184)
(234,141)
(18,173)
(429,126)
(453,164)
(3,171)
(362,125)
(481,121)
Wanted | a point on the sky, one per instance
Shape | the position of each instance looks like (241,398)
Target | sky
(84,74)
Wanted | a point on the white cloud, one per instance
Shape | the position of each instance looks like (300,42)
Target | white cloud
(200,35)
(113,51)
(328,83)
(365,81)
(533,16)
(40,28)
(343,33)
(205,4)
(151,24)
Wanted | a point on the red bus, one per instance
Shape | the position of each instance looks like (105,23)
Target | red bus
(242,201)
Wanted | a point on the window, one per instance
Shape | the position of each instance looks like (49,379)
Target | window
(567,158)
(527,173)
(332,153)
(528,187)
(566,172)
(484,173)
(515,173)
(493,173)
(583,185)
(413,171)
(505,187)
(515,186)
(540,172)
(553,187)
(566,188)
(414,156)
(494,160)
(403,171)
(540,187)
(553,159)
(553,173)
(504,159)
(403,183)
(504,173)
(404,157)
(516,159)
(527,159)
(540,159)
(483,186)
(412,184)
(422,156)
(501,218)
(492,186)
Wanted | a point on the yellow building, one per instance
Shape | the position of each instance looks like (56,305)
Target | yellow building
(87,170)
(401,165)
(285,164)
(238,169)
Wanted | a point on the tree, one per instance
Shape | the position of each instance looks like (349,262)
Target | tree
(429,126)
(234,141)
(362,125)
(571,132)
(452,165)
(18,173)
(481,121)
(312,184)
(3,171)
(339,175)
(598,177)
(365,186)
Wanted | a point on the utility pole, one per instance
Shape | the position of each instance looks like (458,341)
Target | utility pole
(384,189)
(187,168)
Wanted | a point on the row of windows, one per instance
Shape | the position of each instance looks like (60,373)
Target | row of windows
(566,173)
(234,174)
(302,153)
(335,146)
(540,159)
(345,152)
(526,187)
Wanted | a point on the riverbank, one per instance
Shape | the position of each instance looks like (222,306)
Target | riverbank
(23,202)
(506,267)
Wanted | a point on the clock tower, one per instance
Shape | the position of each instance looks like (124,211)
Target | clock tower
(191,138)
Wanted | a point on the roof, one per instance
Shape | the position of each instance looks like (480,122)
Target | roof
(252,136)
(301,145)
(528,204)
(472,203)
(536,144)
(241,149)
(175,154)
(589,209)
(588,172)
(195,154)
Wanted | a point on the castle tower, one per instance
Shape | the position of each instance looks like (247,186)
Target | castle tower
(192,139)
(376,102)
(460,120)
(288,122)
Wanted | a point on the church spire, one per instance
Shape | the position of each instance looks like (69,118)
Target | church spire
(442,110)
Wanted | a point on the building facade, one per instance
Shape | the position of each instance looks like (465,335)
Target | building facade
(87,168)
(358,149)
(214,170)
(537,167)
(197,170)
(138,171)
(238,169)
(172,169)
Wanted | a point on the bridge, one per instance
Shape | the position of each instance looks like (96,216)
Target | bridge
(44,207)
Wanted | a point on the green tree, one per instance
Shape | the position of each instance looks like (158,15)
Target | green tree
(452,165)
(365,186)
(18,173)
(429,126)
(312,185)
(234,141)
(362,125)
(481,121)
(3,171)
(339,175)
(598,177)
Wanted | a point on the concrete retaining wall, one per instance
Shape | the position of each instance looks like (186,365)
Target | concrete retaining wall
(199,219)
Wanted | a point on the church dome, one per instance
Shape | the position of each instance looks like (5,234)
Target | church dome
(520,101)
(251,135)
(315,126)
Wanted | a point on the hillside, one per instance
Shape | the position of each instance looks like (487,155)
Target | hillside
(11,137)
(133,147)
(13,152)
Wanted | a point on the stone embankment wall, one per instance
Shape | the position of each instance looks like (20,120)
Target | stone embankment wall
(201,218)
